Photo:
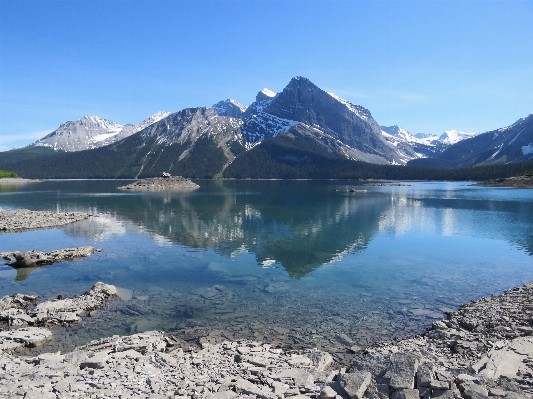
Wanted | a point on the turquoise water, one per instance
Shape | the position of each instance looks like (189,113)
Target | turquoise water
(290,262)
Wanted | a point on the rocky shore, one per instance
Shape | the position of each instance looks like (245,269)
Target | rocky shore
(165,182)
(516,182)
(24,219)
(483,349)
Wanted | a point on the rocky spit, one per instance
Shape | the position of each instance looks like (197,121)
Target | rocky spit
(17,180)
(17,310)
(163,183)
(483,349)
(24,219)
(516,182)
(35,258)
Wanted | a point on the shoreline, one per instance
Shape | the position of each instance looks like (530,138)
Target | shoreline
(483,348)
(511,182)
(18,180)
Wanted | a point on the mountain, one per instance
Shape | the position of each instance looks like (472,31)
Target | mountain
(300,132)
(454,136)
(262,99)
(229,108)
(303,102)
(424,135)
(510,144)
(413,147)
(92,132)
(195,142)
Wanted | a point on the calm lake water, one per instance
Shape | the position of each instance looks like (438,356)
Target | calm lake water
(289,262)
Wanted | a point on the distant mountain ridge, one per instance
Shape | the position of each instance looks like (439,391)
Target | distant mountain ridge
(423,144)
(92,132)
(288,133)
(510,144)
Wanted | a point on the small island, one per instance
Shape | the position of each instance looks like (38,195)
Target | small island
(516,182)
(166,182)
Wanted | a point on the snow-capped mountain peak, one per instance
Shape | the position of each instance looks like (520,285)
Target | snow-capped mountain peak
(454,136)
(92,132)
(268,93)
(97,122)
(149,121)
(229,107)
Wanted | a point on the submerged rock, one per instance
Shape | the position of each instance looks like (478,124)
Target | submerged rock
(35,258)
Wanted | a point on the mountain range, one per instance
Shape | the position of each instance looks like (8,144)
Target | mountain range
(510,144)
(92,132)
(284,134)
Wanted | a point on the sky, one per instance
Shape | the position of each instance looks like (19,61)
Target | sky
(427,66)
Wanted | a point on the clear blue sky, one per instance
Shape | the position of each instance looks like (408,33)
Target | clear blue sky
(427,66)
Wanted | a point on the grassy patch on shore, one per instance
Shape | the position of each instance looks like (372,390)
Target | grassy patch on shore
(7,173)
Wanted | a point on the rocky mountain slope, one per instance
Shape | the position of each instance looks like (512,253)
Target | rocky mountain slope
(302,102)
(194,142)
(93,132)
(301,128)
(510,144)
(229,107)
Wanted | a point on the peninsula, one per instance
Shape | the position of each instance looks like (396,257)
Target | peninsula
(516,182)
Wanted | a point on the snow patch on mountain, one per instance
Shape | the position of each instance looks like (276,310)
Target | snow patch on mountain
(92,132)
(96,121)
(268,93)
(102,137)
(425,136)
(454,136)
(262,126)
(361,112)
(400,133)
(150,120)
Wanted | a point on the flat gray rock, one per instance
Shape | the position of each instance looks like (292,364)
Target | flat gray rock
(62,312)
(507,361)
(402,370)
(355,384)
(28,337)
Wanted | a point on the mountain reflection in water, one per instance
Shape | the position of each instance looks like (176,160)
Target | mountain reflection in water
(299,226)
(314,230)
(287,262)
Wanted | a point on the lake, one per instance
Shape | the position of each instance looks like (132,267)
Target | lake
(293,263)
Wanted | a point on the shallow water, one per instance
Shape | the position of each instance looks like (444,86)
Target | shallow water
(290,262)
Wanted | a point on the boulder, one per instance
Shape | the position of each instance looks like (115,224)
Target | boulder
(402,370)
(355,384)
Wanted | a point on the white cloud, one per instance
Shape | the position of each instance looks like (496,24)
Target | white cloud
(9,141)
